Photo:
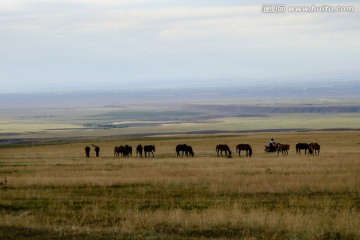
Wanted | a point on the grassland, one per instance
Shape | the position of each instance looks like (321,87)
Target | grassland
(54,192)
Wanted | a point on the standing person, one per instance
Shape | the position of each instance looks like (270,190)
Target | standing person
(87,151)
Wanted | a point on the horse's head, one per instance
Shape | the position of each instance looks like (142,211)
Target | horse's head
(191,151)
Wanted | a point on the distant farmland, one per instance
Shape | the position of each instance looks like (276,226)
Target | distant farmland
(176,118)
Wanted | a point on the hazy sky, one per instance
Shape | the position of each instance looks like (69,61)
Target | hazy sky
(108,44)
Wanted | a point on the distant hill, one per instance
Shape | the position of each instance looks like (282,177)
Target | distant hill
(229,92)
(239,109)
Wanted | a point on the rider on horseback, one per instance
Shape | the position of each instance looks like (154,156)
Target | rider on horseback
(272,145)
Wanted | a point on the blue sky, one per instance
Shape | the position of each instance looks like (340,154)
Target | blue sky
(51,45)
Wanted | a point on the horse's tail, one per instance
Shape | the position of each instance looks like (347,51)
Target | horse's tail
(116,151)
(250,151)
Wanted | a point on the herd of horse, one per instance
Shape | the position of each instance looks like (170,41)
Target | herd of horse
(221,150)
(126,151)
(310,148)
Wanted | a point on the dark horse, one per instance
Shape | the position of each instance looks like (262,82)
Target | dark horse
(87,151)
(184,149)
(223,148)
(244,147)
(139,150)
(97,150)
(149,149)
(128,150)
(314,148)
(121,150)
(301,146)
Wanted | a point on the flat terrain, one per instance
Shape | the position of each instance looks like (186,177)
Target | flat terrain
(49,190)
(59,118)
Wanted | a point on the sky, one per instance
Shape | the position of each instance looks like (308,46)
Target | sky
(67,45)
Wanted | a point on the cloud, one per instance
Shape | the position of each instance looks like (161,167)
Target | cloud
(91,16)
(67,40)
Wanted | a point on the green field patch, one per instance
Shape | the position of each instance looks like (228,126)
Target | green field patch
(26,204)
(147,115)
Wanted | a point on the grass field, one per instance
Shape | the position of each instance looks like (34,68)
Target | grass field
(54,192)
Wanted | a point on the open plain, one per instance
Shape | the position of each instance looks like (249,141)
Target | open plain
(52,191)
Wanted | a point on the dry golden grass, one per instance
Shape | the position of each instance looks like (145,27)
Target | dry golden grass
(53,191)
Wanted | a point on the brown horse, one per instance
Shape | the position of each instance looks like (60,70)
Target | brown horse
(315,148)
(223,148)
(284,148)
(244,147)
